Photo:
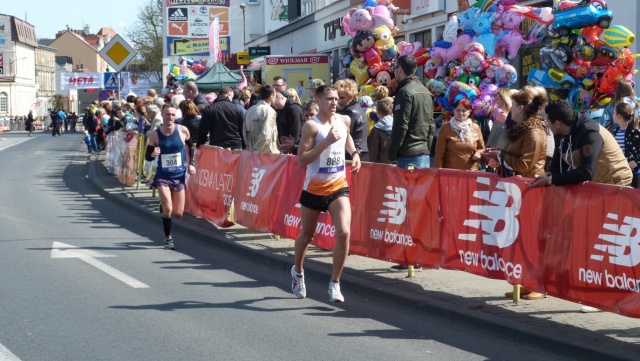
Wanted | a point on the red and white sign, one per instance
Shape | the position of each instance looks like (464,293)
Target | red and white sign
(313,59)
(81,80)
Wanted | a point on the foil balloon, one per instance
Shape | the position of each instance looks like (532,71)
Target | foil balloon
(473,46)
(482,105)
(458,90)
(474,62)
(506,76)
(361,74)
(492,67)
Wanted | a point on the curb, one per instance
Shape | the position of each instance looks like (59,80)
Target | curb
(356,282)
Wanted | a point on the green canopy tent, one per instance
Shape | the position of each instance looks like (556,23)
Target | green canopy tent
(215,78)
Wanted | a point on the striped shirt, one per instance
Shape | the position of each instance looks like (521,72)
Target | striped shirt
(620,138)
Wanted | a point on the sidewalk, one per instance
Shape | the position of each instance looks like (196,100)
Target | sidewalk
(454,295)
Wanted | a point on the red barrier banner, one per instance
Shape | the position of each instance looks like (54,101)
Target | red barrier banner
(259,185)
(287,220)
(592,253)
(395,215)
(487,230)
(210,191)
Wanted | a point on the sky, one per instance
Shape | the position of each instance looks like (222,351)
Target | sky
(51,16)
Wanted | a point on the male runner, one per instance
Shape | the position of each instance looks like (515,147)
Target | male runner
(322,150)
(169,142)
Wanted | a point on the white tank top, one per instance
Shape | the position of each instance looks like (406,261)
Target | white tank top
(326,175)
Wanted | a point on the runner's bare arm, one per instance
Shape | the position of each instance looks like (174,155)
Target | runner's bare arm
(152,148)
(306,152)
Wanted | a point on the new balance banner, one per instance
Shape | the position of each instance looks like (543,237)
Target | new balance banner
(395,215)
(487,230)
(210,192)
(580,243)
(259,185)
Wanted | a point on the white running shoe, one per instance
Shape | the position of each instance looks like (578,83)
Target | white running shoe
(334,292)
(297,284)
(589,309)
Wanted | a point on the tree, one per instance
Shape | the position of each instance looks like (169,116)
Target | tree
(146,37)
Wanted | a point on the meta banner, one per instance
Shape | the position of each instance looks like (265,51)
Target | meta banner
(579,243)
(81,80)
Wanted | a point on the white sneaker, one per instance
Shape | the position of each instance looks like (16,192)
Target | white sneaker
(297,284)
(589,309)
(334,292)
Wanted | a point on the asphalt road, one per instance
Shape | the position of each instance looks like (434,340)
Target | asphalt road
(120,296)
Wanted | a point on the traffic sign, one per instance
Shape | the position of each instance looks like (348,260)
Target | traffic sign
(111,81)
(118,53)
(104,95)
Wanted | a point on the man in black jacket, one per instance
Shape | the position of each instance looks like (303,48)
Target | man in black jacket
(348,105)
(413,125)
(191,92)
(290,118)
(222,121)
(585,151)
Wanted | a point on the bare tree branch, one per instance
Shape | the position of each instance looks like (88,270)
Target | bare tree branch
(146,38)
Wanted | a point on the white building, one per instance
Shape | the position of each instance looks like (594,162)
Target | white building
(17,67)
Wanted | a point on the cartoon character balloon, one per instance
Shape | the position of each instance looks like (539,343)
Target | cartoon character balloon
(506,76)
(363,47)
(474,62)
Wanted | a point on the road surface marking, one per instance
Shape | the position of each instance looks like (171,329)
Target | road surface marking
(63,250)
(6,355)
(11,145)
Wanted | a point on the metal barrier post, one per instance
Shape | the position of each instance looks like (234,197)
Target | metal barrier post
(516,293)
(410,270)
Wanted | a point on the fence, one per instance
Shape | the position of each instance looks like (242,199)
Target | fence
(580,243)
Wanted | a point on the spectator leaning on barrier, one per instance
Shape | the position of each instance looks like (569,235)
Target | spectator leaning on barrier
(585,151)
(222,121)
(348,105)
(260,129)
(413,125)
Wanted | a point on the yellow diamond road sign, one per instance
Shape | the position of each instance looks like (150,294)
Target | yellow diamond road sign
(118,53)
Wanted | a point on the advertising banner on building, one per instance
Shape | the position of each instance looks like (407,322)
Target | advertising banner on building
(187,27)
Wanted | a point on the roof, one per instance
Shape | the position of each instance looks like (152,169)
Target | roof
(79,38)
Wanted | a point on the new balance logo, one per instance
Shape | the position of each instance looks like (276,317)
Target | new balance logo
(623,247)
(256,177)
(396,206)
(498,212)
(178,14)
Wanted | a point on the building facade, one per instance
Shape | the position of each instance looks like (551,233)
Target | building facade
(17,66)
(45,78)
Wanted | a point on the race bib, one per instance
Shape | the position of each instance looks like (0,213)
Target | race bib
(331,161)
(172,162)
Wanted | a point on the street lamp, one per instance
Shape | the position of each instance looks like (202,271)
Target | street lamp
(244,24)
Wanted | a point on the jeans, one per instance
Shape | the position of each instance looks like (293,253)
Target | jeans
(94,145)
(417,161)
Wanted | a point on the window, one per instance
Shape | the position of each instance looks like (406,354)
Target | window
(3,102)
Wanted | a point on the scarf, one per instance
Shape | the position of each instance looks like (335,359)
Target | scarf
(463,129)
(518,130)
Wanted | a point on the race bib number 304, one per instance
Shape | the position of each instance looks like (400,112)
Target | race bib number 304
(331,161)
(172,162)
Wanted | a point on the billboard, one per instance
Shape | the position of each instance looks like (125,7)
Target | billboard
(187,27)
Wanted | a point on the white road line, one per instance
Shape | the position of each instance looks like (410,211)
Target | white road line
(63,250)
(6,355)
(11,145)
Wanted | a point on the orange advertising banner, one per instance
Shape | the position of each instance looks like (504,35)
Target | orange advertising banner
(210,191)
